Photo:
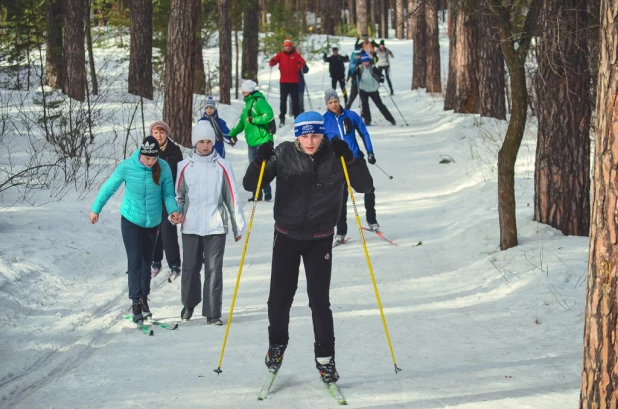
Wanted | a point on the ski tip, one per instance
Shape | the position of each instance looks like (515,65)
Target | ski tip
(175,326)
(151,333)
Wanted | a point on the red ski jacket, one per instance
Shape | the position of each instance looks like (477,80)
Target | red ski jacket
(289,64)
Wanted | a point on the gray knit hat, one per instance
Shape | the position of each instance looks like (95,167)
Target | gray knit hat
(330,94)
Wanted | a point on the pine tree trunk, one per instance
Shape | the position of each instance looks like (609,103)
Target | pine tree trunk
(434,78)
(53,44)
(468,98)
(140,62)
(400,19)
(250,41)
(361,17)
(352,12)
(491,74)
(179,70)
(562,169)
(74,50)
(225,51)
(93,70)
(419,47)
(450,98)
(410,29)
(330,17)
(593,33)
(199,84)
(384,19)
(599,387)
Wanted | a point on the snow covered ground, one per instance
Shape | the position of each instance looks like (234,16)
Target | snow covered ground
(472,327)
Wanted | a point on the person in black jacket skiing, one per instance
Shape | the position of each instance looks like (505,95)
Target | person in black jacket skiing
(310,181)
(167,239)
(337,70)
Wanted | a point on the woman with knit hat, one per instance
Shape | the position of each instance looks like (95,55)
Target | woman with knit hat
(148,183)
(289,63)
(310,180)
(207,193)
(167,239)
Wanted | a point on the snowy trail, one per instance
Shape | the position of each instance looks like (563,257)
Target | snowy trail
(462,315)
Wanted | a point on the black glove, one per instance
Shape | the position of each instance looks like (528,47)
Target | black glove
(265,151)
(342,148)
(371,158)
(233,140)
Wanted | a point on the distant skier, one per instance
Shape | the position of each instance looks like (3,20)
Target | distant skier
(369,80)
(369,47)
(167,239)
(384,65)
(337,70)
(289,63)
(148,182)
(343,124)
(207,193)
(307,206)
(218,124)
(355,60)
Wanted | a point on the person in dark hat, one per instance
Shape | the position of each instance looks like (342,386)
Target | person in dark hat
(148,183)
(369,47)
(337,70)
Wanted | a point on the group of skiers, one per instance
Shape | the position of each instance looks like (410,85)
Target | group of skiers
(199,193)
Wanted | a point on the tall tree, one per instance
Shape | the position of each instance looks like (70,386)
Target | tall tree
(140,59)
(491,74)
(73,49)
(419,46)
(250,40)
(352,12)
(450,98)
(467,69)
(330,16)
(361,17)
(400,19)
(515,42)
(410,29)
(562,169)
(225,51)
(384,19)
(599,387)
(93,70)
(199,81)
(179,69)
(53,43)
(434,78)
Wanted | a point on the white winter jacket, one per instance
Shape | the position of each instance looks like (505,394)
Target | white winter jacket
(205,186)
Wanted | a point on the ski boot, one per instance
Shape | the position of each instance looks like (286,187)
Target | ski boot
(145,309)
(274,357)
(338,239)
(374,227)
(327,370)
(175,272)
(268,197)
(155,269)
(214,321)
(136,310)
(186,313)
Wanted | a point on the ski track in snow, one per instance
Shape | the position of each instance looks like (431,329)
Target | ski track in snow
(471,327)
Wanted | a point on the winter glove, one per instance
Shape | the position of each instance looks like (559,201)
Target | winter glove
(371,158)
(265,151)
(233,140)
(250,119)
(342,149)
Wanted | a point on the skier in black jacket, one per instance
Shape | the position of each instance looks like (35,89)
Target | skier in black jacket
(337,70)
(168,234)
(307,206)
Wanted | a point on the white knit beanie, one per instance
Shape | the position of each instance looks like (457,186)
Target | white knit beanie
(202,131)
(248,86)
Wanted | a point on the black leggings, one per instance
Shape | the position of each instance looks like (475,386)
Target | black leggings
(139,243)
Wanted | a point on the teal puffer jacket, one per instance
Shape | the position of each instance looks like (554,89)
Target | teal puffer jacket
(142,200)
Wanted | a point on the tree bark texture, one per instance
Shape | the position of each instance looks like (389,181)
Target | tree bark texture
(53,44)
(450,97)
(384,19)
(74,52)
(562,168)
(140,60)
(434,79)
(352,12)
(400,19)
(93,69)
(419,47)
(330,16)
(409,18)
(361,17)
(199,80)
(225,51)
(467,68)
(373,6)
(250,46)
(491,75)
(180,66)
(599,387)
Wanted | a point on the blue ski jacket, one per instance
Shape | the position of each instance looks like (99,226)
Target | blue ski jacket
(344,126)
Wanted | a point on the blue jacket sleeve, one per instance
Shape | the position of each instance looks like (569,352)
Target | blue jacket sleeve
(224,129)
(167,188)
(108,189)
(362,130)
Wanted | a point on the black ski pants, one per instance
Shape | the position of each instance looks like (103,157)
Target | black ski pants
(341,82)
(387,70)
(139,243)
(370,204)
(375,97)
(353,95)
(167,240)
(317,259)
(288,89)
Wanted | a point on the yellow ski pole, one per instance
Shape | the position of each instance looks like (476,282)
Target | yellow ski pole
(373,279)
(242,262)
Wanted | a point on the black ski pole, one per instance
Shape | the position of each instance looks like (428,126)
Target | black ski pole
(270,75)
(389,176)
(307,89)
(391,97)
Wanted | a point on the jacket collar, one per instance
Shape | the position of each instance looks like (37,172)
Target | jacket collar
(196,157)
